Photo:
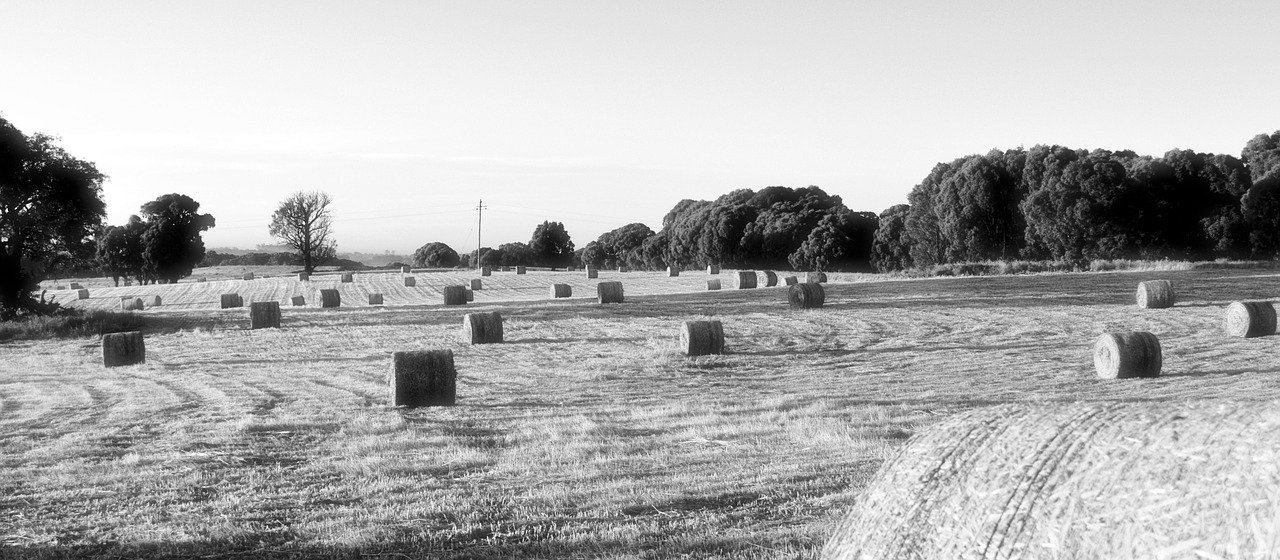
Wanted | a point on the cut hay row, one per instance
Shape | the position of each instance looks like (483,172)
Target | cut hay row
(1096,480)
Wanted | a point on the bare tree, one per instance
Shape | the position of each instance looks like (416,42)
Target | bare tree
(303,222)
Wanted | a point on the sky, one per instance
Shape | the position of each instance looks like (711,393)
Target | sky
(598,114)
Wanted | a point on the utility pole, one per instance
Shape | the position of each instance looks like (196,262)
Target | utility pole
(479,221)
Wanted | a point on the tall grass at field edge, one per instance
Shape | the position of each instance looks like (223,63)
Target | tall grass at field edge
(70,324)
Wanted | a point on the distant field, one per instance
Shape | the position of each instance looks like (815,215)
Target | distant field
(585,435)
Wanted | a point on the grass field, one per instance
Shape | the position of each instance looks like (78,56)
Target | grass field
(584,435)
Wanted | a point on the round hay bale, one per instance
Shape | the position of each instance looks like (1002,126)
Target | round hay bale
(770,279)
(154,301)
(455,295)
(375,299)
(348,277)
(713,284)
(609,292)
(303,277)
(298,301)
(1126,355)
(521,270)
(746,279)
(482,328)
(623,269)
(475,284)
(330,298)
(1076,480)
(247,276)
(76,286)
(82,294)
(486,271)
(131,304)
(592,272)
(423,378)
(1155,294)
(405,270)
(561,291)
(790,280)
(410,281)
(471,294)
(806,296)
(123,349)
(264,315)
(1248,319)
(815,277)
(701,338)
(672,272)
(231,300)
(713,269)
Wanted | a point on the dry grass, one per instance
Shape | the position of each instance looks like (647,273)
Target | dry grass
(585,435)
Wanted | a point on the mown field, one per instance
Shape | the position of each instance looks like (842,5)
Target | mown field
(585,435)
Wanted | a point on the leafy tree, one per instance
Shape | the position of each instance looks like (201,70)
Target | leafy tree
(119,250)
(654,250)
(517,254)
(551,246)
(891,249)
(928,245)
(171,244)
(592,255)
(50,206)
(436,255)
(303,221)
(489,257)
(841,241)
(621,247)
(1084,210)
(1262,155)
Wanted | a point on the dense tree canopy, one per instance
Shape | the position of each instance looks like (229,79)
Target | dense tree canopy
(119,251)
(171,243)
(549,246)
(436,255)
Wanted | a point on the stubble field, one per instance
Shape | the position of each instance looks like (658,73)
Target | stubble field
(586,434)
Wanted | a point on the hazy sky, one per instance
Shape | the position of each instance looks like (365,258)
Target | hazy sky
(601,113)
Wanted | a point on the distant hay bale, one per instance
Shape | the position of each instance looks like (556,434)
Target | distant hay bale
(815,277)
(202,279)
(592,272)
(561,291)
(247,276)
(1076,480)
(76,286)
(330,298)
(713,284)
(623,269)
(298,301)
(375,299)
(1155,294)
(790,280)
(701,338)
(405,270)
(506,269)
(348,277)
(129,282)
(746,279)
(806,296)
(1248,319)
(303,277)
(423,378)
(455,295)
(770,278)
(82,294)
(486,271)
(482,328)
(264,315)
(123,349)
(471,295)
(713,269)
(672,271)
(410,281)
(1127,355)
(131,304)
(609,292)
(475,283)
(154,301)
(232,300)
(521,270)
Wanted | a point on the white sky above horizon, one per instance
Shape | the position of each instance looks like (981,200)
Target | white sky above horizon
(599,114)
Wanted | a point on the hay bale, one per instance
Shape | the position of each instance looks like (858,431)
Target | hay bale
(806,296)
(1155,294)
(1248,319)
(790,280)
(330,298)
(592,272)
(264,315)
(815,277)
(486,271)
(1126,355)
(506,269)
(770,279)
(128,282)
(202,279)
(76,286)
(609,292)
(131,304)
(561,290)
(82,294)
(1076,480)
(247,276)
(423,378)
(455,295)
(713,269)
(348,277)
(701,338)
(713,284)
(232,300)
(410,281)
(123,349)
(405,270)
(672,272)
(303,277)
(471,295)
(521,270)
(154,301)
(482,328)
(623,269)
(746,279)
(298,301)
(475,283)
(375,299)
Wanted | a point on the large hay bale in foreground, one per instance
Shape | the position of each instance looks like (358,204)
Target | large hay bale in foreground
(806,296)
(375,298)
(770,279)
(123,349)
(330,298)
(746,279)
(1077,480)
(1248,319)
(609,292)
(247,276)
(423,378)
(701,338)
(561,290)
(790,280)
(475,284)
(1126,355)
(672,272)
(82,294)
(348,277)
(713,269)
(232,300)
(410,281)
(1155,294)
(131,304)
(264,315)
(592,272)
(455,295)
(482,328)
(303,277)
(298,301)
(713,284)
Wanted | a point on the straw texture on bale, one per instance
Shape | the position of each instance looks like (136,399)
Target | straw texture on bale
(232,300)
(1076,480)
(609,292)
(1155,294)
(247,276)
(770,279)
(521,270)
(330,298)
(303,277)
(264,315)
(123,349)
(790,280)
(592,272)
(455,295)
(423,378)
(713,284)
(82,294)
(806,296)
(375,299)
(348,277)
(410,281)
(713,269)
(1126,355)
(561,290)
(486,271)
(471,294)
(298,301)
(482,328)
(672,271)
(701,338)
(746,279)
(815,277)
(1248,319)
(475,284)
(131,304)
(405,270)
